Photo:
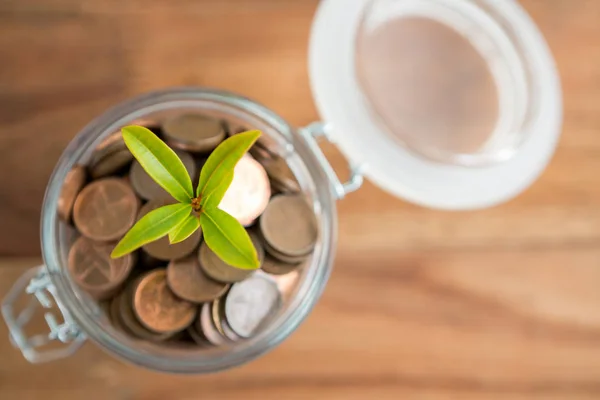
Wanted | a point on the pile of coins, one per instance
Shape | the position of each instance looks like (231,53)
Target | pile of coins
(184,293)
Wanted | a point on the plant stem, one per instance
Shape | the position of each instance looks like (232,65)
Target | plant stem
(196,204)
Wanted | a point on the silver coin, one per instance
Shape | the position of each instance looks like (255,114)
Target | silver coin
(205,325)
(229,333)
(250,303)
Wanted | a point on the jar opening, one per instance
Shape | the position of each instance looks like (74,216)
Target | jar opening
(520,128)
(442,79)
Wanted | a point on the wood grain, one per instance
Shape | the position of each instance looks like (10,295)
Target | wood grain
(494,304)
(466,325)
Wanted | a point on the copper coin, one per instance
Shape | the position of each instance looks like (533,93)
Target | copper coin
(111,164)
(157,308)
(219,270)
(114,311)
(72,185)
(193,132)
(146,187)
(233,129)
(112,144)
(281,176)
(115,314)
(161,249)
(261,151)
(258,245)
(104,307)
(273,266)
(216,314)
(250,303)
(94,270)
(283,188)
(249,192)
(105,210)
(289,225)
(285,258)
(131,321)
(204,324)
(187,280)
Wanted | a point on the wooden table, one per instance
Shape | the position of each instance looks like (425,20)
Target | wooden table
(495,304)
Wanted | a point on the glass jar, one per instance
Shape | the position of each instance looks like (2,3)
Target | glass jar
(346,56)
(84,317)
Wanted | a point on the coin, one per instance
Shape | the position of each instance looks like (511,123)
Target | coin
(105,209)
(283,188)
(146,187)
(219,321)
(285,258)
(233,128)
(273,266)
(250,303)
(72,185)
(258,245)
(113,308)
(162,249)
(94,270)
(193,132)
(281,176)
(216,314)
(131,321)
(204,324)
(219,270)
(249,192)
(157,308)
(111,164)
(103,308)
(186,280)
(261,151)
(228,332)
(115,314)
(289,225)
(112,144)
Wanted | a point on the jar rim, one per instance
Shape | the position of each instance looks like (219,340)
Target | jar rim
(466,183)
(308,292)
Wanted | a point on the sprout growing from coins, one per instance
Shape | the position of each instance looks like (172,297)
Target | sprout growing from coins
(223,234)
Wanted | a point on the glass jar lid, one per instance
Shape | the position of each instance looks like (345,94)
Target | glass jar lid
(451,104)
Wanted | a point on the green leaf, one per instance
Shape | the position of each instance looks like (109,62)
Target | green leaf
(185,229)
(159,161)
(213,199)
(228,239)
(151,227)
(220,164)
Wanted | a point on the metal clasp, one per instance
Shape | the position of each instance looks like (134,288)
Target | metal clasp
(319,131)
(37,284)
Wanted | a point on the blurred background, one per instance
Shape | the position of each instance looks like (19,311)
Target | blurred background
(501,303)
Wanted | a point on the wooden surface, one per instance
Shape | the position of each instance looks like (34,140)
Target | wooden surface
(496,304)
